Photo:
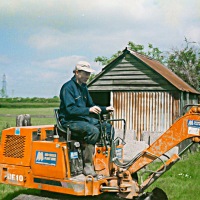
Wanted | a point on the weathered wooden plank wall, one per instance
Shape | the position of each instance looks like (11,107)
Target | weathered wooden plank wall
(131,74)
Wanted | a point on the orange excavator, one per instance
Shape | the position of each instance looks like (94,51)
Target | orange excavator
(45,158)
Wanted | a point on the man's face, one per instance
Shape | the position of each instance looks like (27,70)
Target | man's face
(82,76)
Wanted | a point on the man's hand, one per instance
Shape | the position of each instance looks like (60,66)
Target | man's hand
(110,109)
(95,109)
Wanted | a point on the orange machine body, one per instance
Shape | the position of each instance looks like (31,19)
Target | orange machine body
(27,159)
(32,157)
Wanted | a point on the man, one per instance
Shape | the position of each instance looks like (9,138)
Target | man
(76,105)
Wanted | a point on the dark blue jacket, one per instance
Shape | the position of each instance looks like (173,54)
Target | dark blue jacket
(75,102)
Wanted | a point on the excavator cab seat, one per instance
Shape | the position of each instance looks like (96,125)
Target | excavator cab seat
(75,146)
(62,132)
(65,132)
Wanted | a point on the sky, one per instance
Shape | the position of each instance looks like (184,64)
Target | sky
(42,40)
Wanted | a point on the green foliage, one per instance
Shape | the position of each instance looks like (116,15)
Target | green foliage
(28,105)
(186,64)
(34,102)
(136,47)
(28,100)
(155,53)
(92,76)
(105,61)
(183,62)
(102,59)
(152,52)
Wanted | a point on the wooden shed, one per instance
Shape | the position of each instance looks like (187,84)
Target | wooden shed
(144,92)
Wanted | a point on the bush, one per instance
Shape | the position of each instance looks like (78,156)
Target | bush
(55,99)
(34,102)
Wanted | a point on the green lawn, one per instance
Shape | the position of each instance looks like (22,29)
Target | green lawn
(32,111)
(11,121)
(182,181)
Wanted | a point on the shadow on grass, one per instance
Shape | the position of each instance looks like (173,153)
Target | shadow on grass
(59,196)
(14,194)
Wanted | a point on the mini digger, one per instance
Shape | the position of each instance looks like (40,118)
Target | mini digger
(46,158)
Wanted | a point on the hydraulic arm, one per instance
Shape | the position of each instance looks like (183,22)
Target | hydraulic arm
(186,127)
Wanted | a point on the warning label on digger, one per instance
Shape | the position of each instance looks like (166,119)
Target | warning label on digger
(194,127)
(46,158)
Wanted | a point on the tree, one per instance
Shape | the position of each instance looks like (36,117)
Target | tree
(186,63)
(92,76)
(183,62)
(152,52)
(105,61)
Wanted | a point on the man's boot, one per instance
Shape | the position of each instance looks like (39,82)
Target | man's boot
(88,160)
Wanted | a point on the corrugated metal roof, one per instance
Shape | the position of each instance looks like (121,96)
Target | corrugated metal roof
(155,65)
(165,72)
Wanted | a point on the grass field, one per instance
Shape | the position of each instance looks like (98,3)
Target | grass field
(181,182)
(13,112)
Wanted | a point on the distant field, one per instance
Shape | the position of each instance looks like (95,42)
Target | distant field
(13,112)
(31,111)
(29,102)
(28,105)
